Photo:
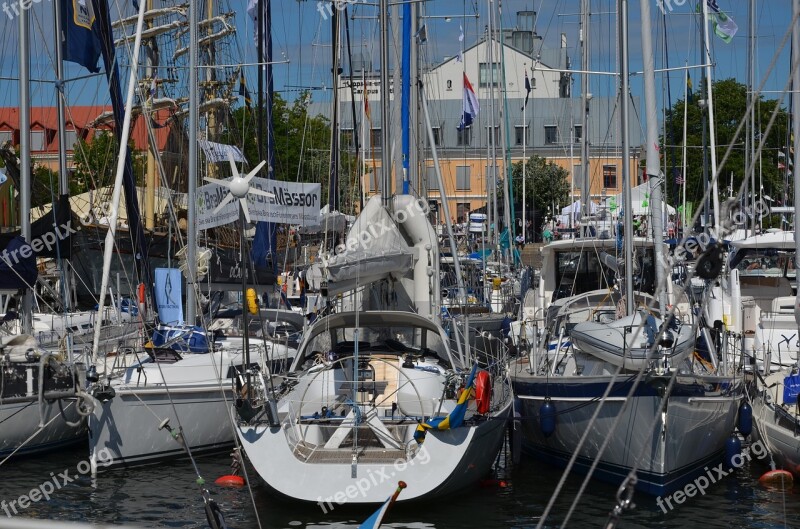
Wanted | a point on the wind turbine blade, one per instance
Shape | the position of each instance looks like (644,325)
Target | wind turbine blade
(255,171)
(245,210)
(234,169)
(256,191)
(222,204)
(223,183)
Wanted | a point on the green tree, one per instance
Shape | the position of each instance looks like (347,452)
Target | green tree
(302,144)
(730,103)
(547,184)
(96,163)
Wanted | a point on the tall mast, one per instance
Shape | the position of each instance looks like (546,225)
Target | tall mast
(751,76)
(63,177)
(333,175)
(490,130)
(796,131)
(150,175)
(622,28)
(191,228)
(711,133)
(653,164)
(386,167)
(508,194)
(406,93)
(25,157)
(585,180)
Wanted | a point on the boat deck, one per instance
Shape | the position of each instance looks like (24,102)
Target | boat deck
(366,455)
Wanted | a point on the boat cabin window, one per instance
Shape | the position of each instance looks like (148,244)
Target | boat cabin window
(764,262)
(583,271)
(389,340)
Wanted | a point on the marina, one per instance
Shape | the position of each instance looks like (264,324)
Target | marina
(439,279)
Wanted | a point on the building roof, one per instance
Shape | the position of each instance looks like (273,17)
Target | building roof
(81,118)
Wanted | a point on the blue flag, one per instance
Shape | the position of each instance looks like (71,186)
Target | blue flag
(81,41)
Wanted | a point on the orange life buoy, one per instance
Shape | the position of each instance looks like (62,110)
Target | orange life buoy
(141,293)
(483,391)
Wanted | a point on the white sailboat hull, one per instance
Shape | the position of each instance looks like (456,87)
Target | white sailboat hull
(19,424)
(446,462)
(126,428)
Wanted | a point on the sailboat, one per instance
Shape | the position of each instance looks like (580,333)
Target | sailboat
(775,396)
(611,387)
(42,402)
(375,388)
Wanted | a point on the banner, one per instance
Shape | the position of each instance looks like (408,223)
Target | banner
(218,152)
(169,293)
(293,203)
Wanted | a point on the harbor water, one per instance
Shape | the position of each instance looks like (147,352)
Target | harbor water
(167,495)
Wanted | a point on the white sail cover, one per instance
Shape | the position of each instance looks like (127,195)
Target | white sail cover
(372,250)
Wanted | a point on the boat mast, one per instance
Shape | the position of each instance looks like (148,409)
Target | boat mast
(122,161)
(333,172)
(751,119)
(63,177)
(386,165)
(150,175)
(796,132)
(508,188)
(191,229)
(622,28)
(490,130)
(653,164)
(585,97)
(25,158)
(711,133)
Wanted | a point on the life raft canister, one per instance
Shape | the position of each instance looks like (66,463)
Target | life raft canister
(483,391)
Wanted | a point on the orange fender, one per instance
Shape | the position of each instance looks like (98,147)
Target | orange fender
(483,391)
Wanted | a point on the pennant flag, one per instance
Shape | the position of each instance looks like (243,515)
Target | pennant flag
(243,91)
(678,175)
(689,95)
(81,42)
(456,417)
(374,521)
(527,90)
(781,166)
(470,105)
(422,34)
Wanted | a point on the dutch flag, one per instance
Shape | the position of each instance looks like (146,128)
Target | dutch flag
(470,105)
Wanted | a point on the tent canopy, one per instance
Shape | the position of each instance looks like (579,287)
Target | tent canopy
(640,200)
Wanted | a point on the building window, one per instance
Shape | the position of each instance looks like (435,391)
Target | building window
(550,134)
(430,172)
(449,84)
(375,180)
(347,139)
(488,77)
(437,136)
(493,139)
(521,135)
(72,138)
(38,140)
(610,176)
(462,211)
(375,137)
(462,178)
(577,133)
(6,136)
(464,137)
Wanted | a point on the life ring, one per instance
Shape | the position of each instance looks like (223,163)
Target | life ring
(483,391)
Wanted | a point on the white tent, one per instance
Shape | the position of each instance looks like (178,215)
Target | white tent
(571,214)
(640,201)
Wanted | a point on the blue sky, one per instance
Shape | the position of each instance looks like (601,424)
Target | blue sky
(302,36)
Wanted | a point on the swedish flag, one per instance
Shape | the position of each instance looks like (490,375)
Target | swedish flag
(456,417)
(244,92)
(689,87)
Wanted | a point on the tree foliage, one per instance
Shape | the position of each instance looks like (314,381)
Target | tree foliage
(96,163)
(547,183)
(730,104)
(302,143)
